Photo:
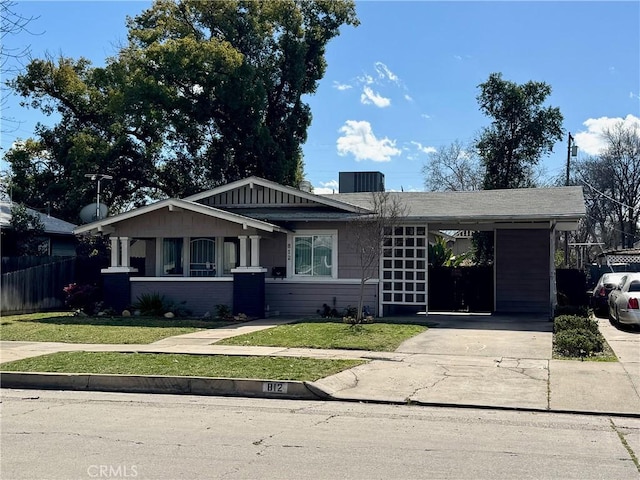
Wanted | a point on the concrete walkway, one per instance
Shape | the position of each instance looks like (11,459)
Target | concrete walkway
(471,360)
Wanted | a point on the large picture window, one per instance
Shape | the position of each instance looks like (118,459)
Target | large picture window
(315,255)
(172,256)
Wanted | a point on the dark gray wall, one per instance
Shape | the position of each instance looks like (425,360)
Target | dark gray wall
(306,298)
(522,271)
(200,296)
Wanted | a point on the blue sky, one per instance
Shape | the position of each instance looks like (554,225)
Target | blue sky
(405,81)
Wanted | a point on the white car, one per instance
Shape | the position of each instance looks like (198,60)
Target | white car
(624,301)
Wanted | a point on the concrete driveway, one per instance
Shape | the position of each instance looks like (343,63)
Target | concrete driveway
(497,361)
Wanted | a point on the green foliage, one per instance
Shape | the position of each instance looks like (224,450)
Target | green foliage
(84,298)
(440,255)
(25,234)
(205,92)
(521,131)
(578,343)
(151,304)
(223,312)
(573,322)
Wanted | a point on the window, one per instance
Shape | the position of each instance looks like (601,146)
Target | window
(230,255)
(172,256)
(203,257)
(314,254)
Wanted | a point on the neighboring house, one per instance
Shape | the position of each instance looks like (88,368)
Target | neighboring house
(619,258)
(261,248)
(58,238)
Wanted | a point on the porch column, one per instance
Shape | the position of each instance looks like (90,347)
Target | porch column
(115,252)
(125,243)
(243,251)
(255,250)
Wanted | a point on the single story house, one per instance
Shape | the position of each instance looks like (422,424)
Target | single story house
(263,248)
(58,239)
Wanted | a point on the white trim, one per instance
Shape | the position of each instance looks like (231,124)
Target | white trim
(307,233)
(251,182)
(118,270)
(329,280)
(249,270)
(181,279)
(173,203)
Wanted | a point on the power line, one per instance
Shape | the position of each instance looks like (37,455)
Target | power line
(604,194)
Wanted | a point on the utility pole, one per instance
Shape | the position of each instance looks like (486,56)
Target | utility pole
(572,151)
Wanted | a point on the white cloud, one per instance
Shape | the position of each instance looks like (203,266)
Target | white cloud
(384,72)
(331,186)
(369,97)
(366,79)
(424,149)
(359,140)
(408,98)
(634,95)
(341,86)
(591,141)
(425,115)
(457,57)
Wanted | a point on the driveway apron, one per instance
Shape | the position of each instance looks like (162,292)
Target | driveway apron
(480,360)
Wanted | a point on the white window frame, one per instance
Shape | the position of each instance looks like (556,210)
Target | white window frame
(291,253)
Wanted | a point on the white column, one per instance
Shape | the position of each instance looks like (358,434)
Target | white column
(243,251)
(125,243)
(115,251)
(255,250)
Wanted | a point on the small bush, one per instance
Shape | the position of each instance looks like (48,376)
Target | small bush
(223,312)
(151,304)
(580,310)
(578,343)
(82,298)
(573,322)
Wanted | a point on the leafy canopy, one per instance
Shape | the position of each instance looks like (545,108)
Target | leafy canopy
(202,94)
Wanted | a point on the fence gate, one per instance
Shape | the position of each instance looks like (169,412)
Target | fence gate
(461,289)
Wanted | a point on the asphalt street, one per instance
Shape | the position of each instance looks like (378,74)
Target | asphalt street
(87,435)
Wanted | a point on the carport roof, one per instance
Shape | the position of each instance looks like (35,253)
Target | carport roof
(524,204)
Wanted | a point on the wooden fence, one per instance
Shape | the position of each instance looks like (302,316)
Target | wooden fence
(37,288)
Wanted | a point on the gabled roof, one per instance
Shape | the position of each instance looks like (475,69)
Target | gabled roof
(257,181)
(524,204)
(177,204)
(51,224)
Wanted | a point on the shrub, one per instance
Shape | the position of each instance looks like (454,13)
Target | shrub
(223,312)
(574,322)
(82,298)
(578,343)
(580,310)
(151,304)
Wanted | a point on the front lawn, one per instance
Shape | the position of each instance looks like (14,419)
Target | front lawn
(268,368)
(64,327)
(381,337)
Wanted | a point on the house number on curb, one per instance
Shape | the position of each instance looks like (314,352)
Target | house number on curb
(274,387)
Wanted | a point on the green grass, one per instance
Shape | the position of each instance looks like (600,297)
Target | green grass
(381,337)
(64,327)
(268,368)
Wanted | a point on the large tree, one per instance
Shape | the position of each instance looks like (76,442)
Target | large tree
(612,189)
(453,167)
(522,131)
(203,93)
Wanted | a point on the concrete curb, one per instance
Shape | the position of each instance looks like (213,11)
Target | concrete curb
(235,387)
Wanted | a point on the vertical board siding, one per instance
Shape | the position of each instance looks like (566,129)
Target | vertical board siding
(522,271)
(254,196)
(306,299)
(37,288)
(199,297)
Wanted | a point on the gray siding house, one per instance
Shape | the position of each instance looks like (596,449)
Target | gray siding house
(264,249)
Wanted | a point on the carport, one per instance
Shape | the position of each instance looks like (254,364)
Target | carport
(524,223)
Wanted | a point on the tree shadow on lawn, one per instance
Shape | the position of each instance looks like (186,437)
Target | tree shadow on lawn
(126,322)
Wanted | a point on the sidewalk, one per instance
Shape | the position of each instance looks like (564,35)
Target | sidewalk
(464,362)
